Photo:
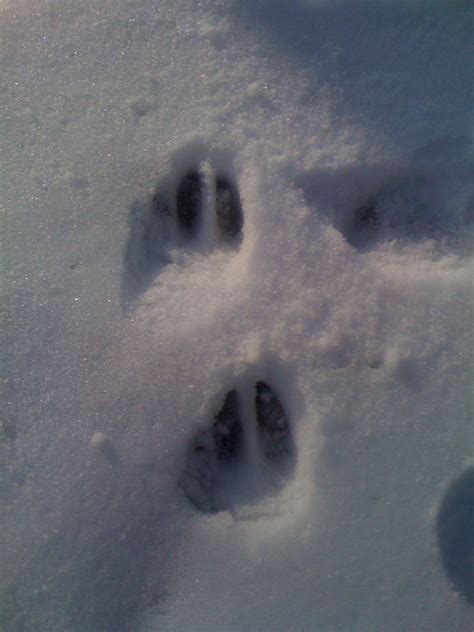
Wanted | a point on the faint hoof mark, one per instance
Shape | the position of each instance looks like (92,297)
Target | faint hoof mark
(224,470)
(9,431)
(421,201)
(455,531)
(411,208)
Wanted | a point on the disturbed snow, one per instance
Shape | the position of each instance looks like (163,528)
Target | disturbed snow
(341,131)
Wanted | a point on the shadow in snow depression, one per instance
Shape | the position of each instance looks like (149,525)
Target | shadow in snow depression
(237,461)
(195,212)
(355,52)
(455,531)
(373,204)
(93,573)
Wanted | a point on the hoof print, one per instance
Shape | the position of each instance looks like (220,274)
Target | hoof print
(198,213)
(223,470)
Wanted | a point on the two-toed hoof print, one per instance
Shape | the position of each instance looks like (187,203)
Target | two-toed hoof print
(237,461)
(207,200)
(200,211)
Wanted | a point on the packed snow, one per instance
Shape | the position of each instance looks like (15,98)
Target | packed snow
(236,316)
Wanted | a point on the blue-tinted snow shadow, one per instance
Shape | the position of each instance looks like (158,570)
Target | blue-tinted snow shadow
(396,67)
(95,565)
(455,531)
(146,249)
(375,203)
(111,577)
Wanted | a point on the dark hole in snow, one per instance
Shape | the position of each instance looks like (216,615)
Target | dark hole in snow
(366,215)
(189,201)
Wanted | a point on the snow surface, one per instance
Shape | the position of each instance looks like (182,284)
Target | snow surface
(346,129)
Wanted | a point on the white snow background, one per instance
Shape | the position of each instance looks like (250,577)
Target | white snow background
(115,351)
